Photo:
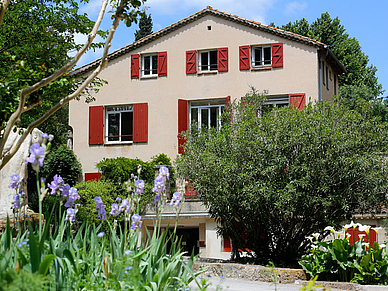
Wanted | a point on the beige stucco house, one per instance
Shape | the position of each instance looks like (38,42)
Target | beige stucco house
(188,72)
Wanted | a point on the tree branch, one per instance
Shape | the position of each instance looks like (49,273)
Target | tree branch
(25,92)
(3,7)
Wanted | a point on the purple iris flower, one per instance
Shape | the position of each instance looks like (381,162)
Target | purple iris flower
(101,234)
(136,218)
(56,184)
(164,172)
(125,205)
(139,186)
(16,201)
(70,214)
(158,182)
(45,136)
(100,208)
(73,195)
(14,181)
(156,199)
(115,210)
(65,190)
(36,157)
(176,199)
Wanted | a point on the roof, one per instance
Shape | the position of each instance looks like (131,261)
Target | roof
(214,12)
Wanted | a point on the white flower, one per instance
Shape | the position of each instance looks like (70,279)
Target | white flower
(330,228)
(309,238)
(316,235)
(348,235)
(365,228)
(382,246)
(351,225)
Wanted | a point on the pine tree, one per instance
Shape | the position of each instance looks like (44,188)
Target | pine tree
(145,27)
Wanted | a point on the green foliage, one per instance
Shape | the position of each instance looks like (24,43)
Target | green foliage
(11,280)
(60,161)
(145,27)
(33,49)
(338,260)
(63,162)
(285,175)
(108,191)
(120,169)
(347,49)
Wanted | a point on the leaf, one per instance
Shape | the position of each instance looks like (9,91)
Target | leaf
(45,264)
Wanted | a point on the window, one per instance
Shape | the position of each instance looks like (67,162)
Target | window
(261,56)
(149,65)
(206,113)
(119,123)
(208,61)
(152,65)
(256,56)
(215,60)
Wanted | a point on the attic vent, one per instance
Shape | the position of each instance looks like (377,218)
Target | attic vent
(209,27)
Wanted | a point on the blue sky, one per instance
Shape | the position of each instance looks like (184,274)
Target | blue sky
(366,21)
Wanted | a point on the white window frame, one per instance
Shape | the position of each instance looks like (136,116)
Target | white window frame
(209,68)
(153,66)
(275,101)
(207,105)
(110,110)
(261,59)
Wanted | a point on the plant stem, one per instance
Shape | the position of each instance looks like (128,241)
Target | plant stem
(40,205)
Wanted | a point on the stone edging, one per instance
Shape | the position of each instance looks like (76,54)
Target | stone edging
(278,275)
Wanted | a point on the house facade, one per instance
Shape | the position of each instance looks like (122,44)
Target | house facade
(186,72)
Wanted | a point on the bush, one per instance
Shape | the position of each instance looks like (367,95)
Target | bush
(271,181)
(108,191)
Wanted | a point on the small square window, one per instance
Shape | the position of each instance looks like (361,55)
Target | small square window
(261,56)
(149,65)
(119,124)
(208,61)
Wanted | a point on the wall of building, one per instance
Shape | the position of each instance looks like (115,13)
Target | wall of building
(298,75)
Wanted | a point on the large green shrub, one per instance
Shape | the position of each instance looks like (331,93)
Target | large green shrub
(287,174)
(108,191)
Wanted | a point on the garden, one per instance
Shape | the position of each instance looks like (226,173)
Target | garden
(52,252)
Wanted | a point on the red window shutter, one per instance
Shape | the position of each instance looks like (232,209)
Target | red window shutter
(244,57)
(189,190)
(227,101)
(96,125)
(223,59)
(182,123)
(277,55)
(297,100)
(191,62)
(140,122)
(357,232)
(227,245)
(92,176)
(162,64)
(135,66)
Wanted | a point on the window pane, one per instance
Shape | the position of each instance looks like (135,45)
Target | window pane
(257,58)
(113,126)
(213,61)
(126,126)
(194,115)
(204,117)
(214,117)
(204,61)
(154,65)
(267,56)
(147,65)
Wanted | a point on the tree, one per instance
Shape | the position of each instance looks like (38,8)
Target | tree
(145,27)
(361,76)
(269,182)
(29,84)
